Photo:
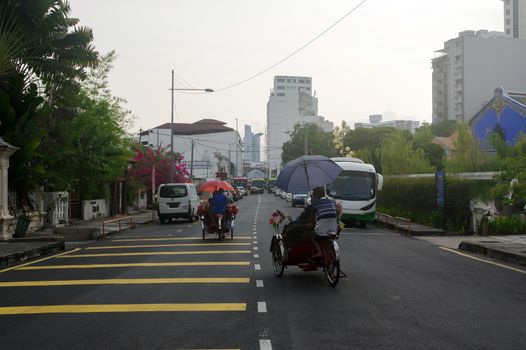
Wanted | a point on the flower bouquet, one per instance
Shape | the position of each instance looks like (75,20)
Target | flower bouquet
(276,219)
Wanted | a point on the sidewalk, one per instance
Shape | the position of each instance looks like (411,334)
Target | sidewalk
(40,243)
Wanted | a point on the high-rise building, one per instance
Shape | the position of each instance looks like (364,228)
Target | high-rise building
(469,68)
(251,145)
(291,101)
(515,18)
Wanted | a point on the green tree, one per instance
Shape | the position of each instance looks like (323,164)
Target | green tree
(318,142)
(422,139)
(467,156)
(445,128)
(91,148)
(398,157)
(366,142)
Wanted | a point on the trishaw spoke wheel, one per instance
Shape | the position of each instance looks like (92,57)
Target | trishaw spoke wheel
(277,258)
(331,264)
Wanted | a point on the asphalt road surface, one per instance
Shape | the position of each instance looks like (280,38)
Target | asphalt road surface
(163,287)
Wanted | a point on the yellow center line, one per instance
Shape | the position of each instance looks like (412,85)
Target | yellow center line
(482,260)
(168,239)
(166,264)
(124,281)
(103,308)
(170,245)
(40,260)
(199,252)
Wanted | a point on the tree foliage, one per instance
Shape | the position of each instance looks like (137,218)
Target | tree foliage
(467,156)
(398,157)
(366,142)
(318,142)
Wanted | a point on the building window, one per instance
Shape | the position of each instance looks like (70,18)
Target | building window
(289,80)
(281,94)
(508,12)
(508,22)
(280,80)
(280,87)
(301,81)
(508,31)
(307,88)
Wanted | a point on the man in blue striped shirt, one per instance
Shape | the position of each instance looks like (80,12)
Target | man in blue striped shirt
(325,214)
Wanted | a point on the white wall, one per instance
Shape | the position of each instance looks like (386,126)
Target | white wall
(94,209)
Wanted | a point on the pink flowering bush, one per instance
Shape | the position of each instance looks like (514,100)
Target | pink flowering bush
(146,157)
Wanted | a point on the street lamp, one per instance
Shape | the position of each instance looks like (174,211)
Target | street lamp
(171,127)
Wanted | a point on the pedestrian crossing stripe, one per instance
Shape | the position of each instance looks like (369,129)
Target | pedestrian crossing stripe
(168,239)
(168,245)
(199,252)
(160,264)
(123,281)
(39,260)
(109,308)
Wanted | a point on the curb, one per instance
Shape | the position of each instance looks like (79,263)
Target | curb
(25,254)
(513,253)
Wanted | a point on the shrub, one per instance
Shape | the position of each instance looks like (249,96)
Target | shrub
(415,199)
(506,226)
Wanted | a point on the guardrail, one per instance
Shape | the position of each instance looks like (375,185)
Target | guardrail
(106,222)
(395,221)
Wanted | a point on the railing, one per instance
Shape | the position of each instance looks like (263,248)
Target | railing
(395,221)
(118,220)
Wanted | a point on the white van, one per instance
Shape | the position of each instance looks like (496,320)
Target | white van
(177,200)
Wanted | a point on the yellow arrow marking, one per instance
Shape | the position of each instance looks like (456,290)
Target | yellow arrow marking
(169,245)
(167,264)
(102,308)
(200,252)
(122,281)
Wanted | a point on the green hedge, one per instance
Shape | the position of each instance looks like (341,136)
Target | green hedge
(415,199)
(506,226)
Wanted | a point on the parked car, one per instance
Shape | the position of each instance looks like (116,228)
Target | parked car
(283,195)
(242,189)
(289,197)
(177,200)
(299,199)
(277,192)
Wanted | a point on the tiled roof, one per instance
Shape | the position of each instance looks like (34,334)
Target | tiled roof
(203,126)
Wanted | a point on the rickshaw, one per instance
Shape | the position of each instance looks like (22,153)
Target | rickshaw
(292,247)
(295,244)
(217,224)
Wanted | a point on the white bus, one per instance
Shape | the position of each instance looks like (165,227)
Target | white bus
(355,188)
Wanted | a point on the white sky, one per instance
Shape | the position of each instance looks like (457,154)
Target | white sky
(376,61)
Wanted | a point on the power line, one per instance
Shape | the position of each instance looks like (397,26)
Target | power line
(294,52)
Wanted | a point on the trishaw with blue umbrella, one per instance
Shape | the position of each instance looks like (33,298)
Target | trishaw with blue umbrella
(296,244)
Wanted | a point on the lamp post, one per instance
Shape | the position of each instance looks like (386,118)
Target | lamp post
(172,128)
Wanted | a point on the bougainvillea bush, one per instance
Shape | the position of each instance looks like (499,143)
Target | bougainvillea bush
(145,158)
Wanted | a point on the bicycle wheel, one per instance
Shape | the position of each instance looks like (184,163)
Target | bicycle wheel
(278,260)
(331,265)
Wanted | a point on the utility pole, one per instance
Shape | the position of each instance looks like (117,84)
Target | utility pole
(172,134)
(237,147)
(192,161)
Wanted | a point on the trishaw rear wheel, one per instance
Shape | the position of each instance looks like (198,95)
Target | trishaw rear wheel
(278,260)
(331,265)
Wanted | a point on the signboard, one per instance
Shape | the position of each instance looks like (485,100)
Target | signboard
(197,164)
(440,184)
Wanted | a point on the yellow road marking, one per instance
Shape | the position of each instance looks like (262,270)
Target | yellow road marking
(100,308)
(169,245)
(39,260)
(167,264)
(199,252)
(168,239)
(123,281)
(482,260)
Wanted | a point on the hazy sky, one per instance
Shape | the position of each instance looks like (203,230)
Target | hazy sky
(376,61)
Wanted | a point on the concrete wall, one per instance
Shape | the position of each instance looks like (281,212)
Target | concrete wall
(97,208)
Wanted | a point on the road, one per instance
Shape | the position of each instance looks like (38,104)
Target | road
(163,287)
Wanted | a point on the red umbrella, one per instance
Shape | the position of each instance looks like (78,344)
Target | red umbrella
(212,186)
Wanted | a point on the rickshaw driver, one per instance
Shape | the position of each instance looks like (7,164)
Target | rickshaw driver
(326,217)
(218,202)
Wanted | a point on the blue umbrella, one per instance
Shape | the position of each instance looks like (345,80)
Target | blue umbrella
(305,173)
